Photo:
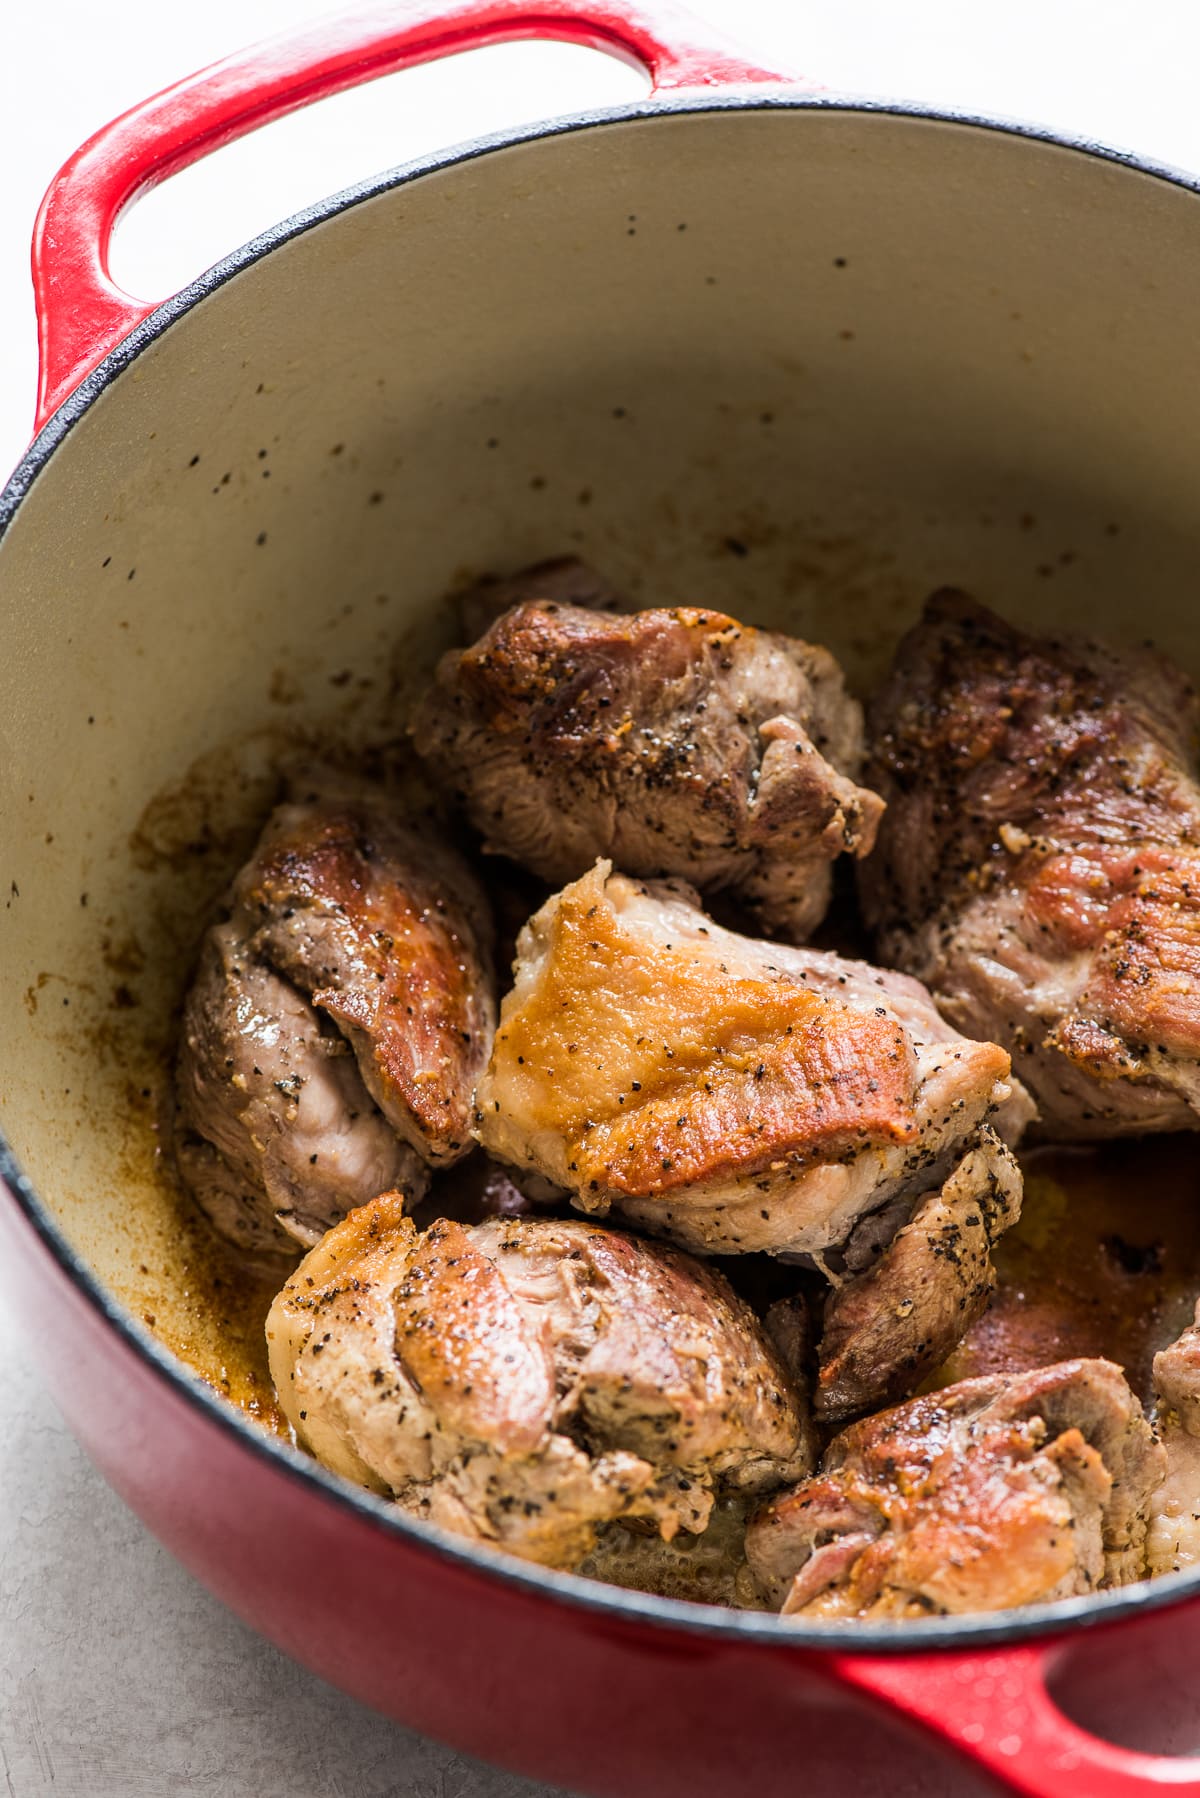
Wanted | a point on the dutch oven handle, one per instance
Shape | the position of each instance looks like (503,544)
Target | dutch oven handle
(83,314)
(995,1708)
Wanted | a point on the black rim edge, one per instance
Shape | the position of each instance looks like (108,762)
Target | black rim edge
(696,1619)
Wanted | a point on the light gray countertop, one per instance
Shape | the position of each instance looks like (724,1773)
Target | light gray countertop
(119,1676)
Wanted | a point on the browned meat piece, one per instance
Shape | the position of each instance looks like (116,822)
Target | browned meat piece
(275,1132)
(387,931)
(734,1094)
(1174,1539)
(338,1022)
(677,742)
(523,1382)
(997,1492)
(1039,867)
(887,1327)
(741,1096)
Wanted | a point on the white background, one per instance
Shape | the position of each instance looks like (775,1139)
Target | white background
(119,1678)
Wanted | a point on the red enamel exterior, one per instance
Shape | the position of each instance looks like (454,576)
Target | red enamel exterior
(597,1700)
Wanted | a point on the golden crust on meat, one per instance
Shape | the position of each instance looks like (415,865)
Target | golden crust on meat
(387,931)
(661,1070)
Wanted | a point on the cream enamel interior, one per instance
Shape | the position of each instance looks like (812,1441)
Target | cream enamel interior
(801,364)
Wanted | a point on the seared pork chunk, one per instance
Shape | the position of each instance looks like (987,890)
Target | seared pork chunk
(1174,1539)
(387,931)
(888,1326)
(1002,1491)
(737,1096)
(1039,866)
(338,1022)
(524,1382)
(275,1133)
(678,742)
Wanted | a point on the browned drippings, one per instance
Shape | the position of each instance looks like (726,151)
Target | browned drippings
(1104,1261)
(216,1321)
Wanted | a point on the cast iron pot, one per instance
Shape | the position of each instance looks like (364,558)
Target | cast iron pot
(742,342)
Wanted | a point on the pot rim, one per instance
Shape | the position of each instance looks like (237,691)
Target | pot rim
(1026,1624)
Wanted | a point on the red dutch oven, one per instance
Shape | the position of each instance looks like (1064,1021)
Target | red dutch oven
(742,341)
